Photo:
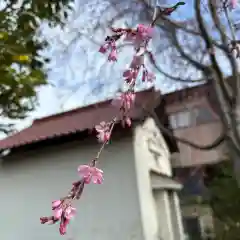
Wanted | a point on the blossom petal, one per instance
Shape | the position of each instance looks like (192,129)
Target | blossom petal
(56,203)
(97,179)
(58,213)
(70,212)
(83,169)
(87,179)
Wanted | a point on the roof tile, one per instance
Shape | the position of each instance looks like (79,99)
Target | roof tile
(69,122)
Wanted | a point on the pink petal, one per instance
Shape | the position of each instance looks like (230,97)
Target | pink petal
(133,96)
(87,179)
(62,229)
(101,126)
(104,48)
(106,136)
(56,203)
(83,169)
(233,3)
(70,212)
(113,55)
(97,177)
(50,222)
(63,226)
(100,137)
(97,180)
(127,73)
(145,31)
(58,213)
(151,77)
(128,121)
(103,136)
(97,171)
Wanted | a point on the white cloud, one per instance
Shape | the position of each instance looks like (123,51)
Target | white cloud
(78,71)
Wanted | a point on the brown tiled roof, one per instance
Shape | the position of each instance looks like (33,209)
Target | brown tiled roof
(73,121)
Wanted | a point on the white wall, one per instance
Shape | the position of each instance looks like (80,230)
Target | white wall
(154,143)
(110,211)
(144,162)
(122,208)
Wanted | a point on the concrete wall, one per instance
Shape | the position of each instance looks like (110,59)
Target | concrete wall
(122,208)
(29,183)
(145,161)
(203,134)
(152,147)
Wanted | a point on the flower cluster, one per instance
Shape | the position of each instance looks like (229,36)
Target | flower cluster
(89,174)
(137,36)
(104,131)
(125,102)
(63,211)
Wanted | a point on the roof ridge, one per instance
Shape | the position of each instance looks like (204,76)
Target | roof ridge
(59,114)
(74,110)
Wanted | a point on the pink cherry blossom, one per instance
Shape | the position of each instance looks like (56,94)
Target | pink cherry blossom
(125,100)
(56,204)
(131,73)
(102,127)
(126,121)
(103,136)
(109,45)
(140,35)
(144,32)
(233,3)
(104,48)
(103,130)
(63,211)
(57,212)
(131,76)
(148,76)
(63,226)
(90,174)
(69,212)
(113,55)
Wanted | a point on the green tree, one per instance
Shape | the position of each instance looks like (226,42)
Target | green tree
(224,197)
(21,65)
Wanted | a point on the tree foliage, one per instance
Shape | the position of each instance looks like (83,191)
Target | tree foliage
(224,200)
(21,63)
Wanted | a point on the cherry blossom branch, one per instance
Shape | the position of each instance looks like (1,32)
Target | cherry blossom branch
(63,211)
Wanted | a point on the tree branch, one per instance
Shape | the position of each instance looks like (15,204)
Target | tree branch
(196,64)
(223,98)
(177,79)
(166,131)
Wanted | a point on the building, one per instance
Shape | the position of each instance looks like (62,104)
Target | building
(193,116)
(138,199)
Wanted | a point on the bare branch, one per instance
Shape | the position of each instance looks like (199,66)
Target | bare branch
(169,76)
(219,140)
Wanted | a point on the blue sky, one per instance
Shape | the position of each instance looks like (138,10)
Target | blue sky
(78,72)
